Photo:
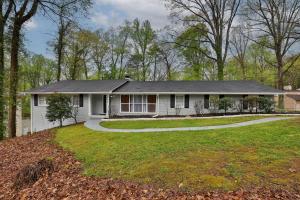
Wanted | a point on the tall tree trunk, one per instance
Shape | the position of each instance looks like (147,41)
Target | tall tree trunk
(86,71)
(3,19)
(220,62)
(13,81)
(99,71)
(2,129)
(155,68)
(243,66)
(220,69)
(280,83)
(59,53)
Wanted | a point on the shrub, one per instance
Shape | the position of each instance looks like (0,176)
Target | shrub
(214,104)
(239,106)
(59,108)
(252,102)
(266,104)
(199,107)
(225,104)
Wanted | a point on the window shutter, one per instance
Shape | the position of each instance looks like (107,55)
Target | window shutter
(35,100)
(245,103)
(187,101)
(172,101)
(81,100)
(206,101)
(104,104)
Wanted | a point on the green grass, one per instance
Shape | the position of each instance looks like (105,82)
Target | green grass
(227,159)
(176,123)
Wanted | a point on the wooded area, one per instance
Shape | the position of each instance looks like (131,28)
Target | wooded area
(206,40)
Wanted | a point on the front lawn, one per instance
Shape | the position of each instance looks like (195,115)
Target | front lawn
(142,124)
(226,159)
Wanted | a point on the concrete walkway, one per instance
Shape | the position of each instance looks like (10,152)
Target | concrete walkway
(94,124)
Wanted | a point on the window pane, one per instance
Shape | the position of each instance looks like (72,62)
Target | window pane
(151,99)
(125,107)
(145,99)
(138,108)
(76,100)
(131,99)
(138,99)
(151,108)
(131,108)
(125,99)
(42,101)
(179,101)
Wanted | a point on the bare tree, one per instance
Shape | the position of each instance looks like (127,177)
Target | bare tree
(100,48)
(66,12)
(142,36)
(279,21)
(218,16)
(239,44)
(60,43)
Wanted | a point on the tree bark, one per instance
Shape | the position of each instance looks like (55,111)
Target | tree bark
(13,82)
(3,19)
(20,17)
(2,129)
(59,53)
(280,82)
(220,64)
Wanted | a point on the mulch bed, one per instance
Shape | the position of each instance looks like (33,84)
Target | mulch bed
(66,181)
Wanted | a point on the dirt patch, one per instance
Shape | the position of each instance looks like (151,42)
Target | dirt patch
(67,181)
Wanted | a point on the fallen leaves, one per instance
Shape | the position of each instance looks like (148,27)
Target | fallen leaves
(67,181)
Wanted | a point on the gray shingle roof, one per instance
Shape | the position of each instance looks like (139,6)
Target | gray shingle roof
(184,87)
(208,87)
(70,86)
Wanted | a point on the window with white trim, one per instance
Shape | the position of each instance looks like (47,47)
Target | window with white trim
(42,100)
(75,100)
(179,101)
(138,103)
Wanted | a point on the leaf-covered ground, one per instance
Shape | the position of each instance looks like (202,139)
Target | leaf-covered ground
(68,182)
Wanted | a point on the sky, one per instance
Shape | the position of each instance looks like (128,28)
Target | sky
(103,14)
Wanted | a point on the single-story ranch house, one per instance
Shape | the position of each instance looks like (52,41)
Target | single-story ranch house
(107,98)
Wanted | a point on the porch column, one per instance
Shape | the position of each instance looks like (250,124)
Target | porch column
(107,105)
(157,104)
(90,105)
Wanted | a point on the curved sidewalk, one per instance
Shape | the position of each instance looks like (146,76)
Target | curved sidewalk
(94,124)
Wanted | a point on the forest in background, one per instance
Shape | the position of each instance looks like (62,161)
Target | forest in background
(205,40)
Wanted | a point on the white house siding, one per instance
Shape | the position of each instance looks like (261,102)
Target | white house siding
(164,109)
(116,109)
(40,122)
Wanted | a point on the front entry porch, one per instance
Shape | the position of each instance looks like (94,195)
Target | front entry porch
(99,105)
